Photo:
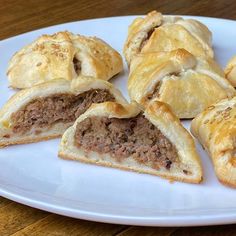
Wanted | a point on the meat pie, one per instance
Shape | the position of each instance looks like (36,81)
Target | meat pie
(63,55)
(122,136)
(46,110)
(156,32)
(215,128)
(187,83)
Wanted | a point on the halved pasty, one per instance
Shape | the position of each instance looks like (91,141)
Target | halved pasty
(45,111)
(63,55)
(156,32)
(123,136)
(215,128)
(230,71)
(187,83)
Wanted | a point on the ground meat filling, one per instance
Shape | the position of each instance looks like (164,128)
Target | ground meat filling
(77,65)
(44,112)
(136,137)
(146,38)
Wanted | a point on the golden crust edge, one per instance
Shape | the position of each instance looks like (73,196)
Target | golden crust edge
(28,140)
(65,156)
(67,143)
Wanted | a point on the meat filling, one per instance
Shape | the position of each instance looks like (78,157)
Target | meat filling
(77,65)
(146,38)
(44,112)
(136,137)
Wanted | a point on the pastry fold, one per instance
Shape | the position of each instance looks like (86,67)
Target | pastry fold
(187,83)
(46,110)
(156,32)
(230,71)
(215,128)
(125,137)
(63,55)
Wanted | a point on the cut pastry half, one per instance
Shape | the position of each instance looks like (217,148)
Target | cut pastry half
(215,128)
(156,32)
(230,71)
(63,55)
(122,136)
(46,110)
(187,83)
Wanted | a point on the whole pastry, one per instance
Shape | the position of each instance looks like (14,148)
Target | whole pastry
(123,136)
(62,55)
(156,32)
(215,128)
(187,83)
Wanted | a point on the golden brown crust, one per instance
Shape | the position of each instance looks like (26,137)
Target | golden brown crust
(118,166)
(179,79)
(59,86)
(230,71)
(29,140)
(169,33)
(158,114)
(53,56)
(215,128)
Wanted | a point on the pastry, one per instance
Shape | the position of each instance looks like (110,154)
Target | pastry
(62,55)
(46,110)
(230,71)
(187,83)
(215,128)
(123,136)
(156,32)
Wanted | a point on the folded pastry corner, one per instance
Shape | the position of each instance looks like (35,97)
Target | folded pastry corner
(46,110)
(156,32)
(187,83)
(230,71)
(215,128)
(123,136)
(63,55)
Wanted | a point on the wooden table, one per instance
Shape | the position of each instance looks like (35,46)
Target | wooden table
(22,16)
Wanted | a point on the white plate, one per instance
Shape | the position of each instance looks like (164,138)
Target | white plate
(34,175)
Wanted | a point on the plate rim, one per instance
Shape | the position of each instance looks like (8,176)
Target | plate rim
(170,221)
(112,17)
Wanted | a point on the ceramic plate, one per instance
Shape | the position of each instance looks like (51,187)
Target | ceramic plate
(33,174)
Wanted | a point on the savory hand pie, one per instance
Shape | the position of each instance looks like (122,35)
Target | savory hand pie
(187,83)
(45,111)
(215,128)
(123,136)
(230,71)
(156,32)
(63,55)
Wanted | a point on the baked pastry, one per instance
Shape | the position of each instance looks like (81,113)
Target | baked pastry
(230,71)
(63,55)
(187,83)
(123,136)
(46,110)
(215,128)
(156,32)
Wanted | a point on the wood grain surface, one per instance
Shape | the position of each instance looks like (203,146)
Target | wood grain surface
(18,16)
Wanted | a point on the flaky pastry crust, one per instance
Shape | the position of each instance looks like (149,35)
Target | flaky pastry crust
(187,83)
(158,114)
(215,128)
(24,97)
(230,71)
(63,55)
(156,32)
